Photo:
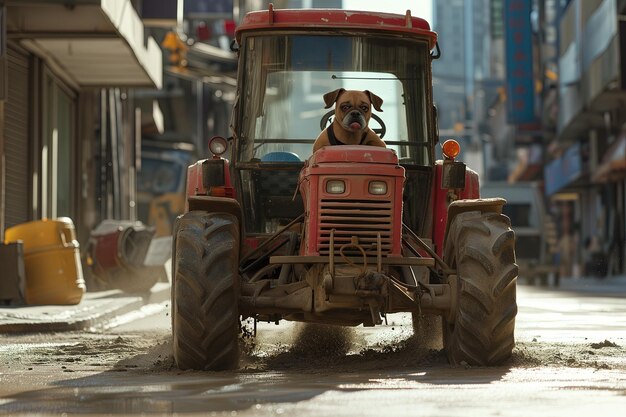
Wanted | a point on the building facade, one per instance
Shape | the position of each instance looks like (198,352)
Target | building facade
(562,112)
(67,120)
(544,96)
(587,163)
(468,74)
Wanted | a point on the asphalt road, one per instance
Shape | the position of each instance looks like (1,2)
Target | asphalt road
(570,360)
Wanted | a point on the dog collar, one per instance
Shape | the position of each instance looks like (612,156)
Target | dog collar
(333,139)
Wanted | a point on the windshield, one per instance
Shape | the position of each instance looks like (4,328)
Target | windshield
(285,77)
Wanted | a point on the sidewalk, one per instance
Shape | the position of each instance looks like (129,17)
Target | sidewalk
(614,286)
(95,309)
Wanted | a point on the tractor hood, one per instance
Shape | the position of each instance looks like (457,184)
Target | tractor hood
(354,154)
(354,160)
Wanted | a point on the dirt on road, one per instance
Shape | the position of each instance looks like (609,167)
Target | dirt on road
(301,371)
(307,348)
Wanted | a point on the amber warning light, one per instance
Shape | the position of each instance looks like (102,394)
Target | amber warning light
(451,149)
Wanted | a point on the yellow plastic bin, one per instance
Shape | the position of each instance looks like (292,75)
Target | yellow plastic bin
(51,260)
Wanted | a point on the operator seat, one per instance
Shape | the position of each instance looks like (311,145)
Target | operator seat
(276,183)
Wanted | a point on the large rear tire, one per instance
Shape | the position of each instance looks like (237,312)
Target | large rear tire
(205,317)
(481,246)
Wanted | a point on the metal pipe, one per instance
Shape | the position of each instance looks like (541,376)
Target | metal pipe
(271,239)
(427,248)
(285,270)
(257,261)
(263,271)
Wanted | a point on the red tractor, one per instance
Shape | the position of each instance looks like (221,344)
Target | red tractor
(348,234)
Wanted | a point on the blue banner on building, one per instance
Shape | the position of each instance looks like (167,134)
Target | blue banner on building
(519,62)
(563,171)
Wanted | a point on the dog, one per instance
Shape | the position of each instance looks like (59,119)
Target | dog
(353,110)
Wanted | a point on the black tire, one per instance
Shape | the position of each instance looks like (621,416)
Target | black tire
(481,246)
(205,317)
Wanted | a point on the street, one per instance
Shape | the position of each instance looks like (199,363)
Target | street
(323,161)
(570,359)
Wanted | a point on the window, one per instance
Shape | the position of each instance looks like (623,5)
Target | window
(57,150)
(519,213)
(286,77)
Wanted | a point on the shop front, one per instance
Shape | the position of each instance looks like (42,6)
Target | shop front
(562,179)
(610,178)
(62,63)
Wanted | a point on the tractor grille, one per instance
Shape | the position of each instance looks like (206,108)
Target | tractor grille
(364,219)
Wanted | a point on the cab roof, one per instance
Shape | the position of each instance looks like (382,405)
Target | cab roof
(336,19)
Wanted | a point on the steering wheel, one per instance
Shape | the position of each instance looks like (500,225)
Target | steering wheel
(379,131)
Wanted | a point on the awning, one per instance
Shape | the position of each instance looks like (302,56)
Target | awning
(202,54)
(613,165)
(563,171)
(226,84)
(95,43)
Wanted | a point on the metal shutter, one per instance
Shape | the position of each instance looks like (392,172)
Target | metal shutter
(16,139)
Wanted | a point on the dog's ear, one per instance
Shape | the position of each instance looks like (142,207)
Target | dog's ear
(375,100)
(331,98)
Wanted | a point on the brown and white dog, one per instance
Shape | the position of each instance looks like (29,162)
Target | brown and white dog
(353,110)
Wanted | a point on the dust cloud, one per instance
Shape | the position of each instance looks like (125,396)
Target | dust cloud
(298,347)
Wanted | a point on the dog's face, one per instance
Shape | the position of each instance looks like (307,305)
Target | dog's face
(353,108)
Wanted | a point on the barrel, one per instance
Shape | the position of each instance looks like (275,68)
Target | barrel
(51,260)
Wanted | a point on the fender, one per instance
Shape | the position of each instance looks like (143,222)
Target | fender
(209,177)
(209,189)
(484,205)
(212,204)
(441,201)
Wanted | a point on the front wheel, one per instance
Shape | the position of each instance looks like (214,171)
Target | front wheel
(205,317)
(481,246)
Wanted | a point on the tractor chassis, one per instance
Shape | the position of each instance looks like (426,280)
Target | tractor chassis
(346,290)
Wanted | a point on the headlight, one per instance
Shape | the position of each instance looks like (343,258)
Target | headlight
(335,187)
(378,187)
(218,145)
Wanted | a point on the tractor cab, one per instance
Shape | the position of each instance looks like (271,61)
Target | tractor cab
(289,61)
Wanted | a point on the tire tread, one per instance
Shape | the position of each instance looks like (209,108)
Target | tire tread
(483,331)
(204,308)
